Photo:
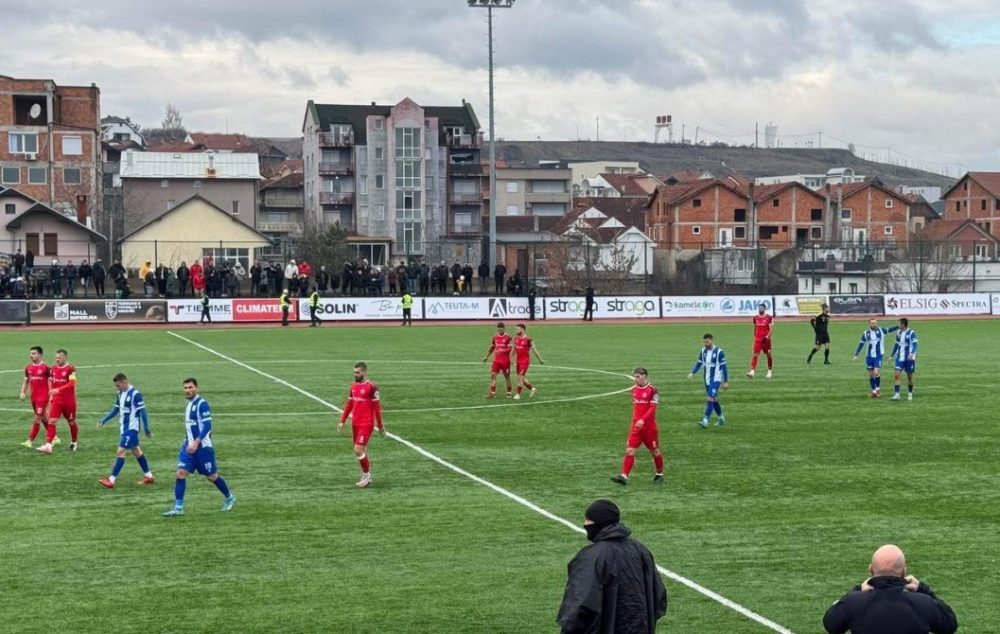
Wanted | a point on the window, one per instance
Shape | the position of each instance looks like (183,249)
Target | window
(380,213)
(408,174)
(511,187)
(236,207)
(887,230)
(696,230)
(982,250)
(696,203)
(958,205)
(982,205)
(171,204)
(816,233)
(888,203)
(463,222)
(71,175)
(816,215)
(739,215)
(164,183)
(740,233)
(745,264)
(832,287)
(23,143)
(379,181)
(31,243)
(775,203)
(11,175)
(854,287)
(37,175)
(72,146)
(767,232)
(364,185)
(965,185)
(845,214)
(196,184)
(51,243)
(513,210)
(10,209)
(408,143)
(955,250)
(228,255)
(380,124)
(379,153)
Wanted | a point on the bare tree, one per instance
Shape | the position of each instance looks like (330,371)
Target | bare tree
(923,267)
(580,259)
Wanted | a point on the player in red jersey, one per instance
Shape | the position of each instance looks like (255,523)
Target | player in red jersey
(645,399)
(36,374)
(523,347)
(500,348)
(62,398)
(763,327)
(365,409)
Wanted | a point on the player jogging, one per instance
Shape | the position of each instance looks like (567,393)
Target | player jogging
(763,326)
(130,409)
(36,374)
(523,347)
(197,452)
(874,338)
(821,326)
(713,359)
(62,398)
(645,399)
(905,353)
(500,348)
(365,409)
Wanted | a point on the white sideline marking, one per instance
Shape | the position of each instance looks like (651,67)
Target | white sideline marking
(732,605)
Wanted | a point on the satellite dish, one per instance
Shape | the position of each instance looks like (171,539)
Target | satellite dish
(35,111)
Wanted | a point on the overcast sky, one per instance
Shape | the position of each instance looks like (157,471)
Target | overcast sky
(921,77)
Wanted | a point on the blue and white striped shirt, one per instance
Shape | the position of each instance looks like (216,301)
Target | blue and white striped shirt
(906,345)
(875,340)
(198,421)
(128,406)
(714,361)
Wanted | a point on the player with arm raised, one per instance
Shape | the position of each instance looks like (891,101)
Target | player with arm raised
(645,399)
(36,375)
(62,398)
(500,348)
(523,347)
(364,407)
(763,328)
(713,359)
(905,353)
(131,410)
(874,338)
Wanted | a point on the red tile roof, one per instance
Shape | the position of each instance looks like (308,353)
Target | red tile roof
(989,180)
(942,230)
(625,184)
(766,192)
(173,146)
(289,181)
(227,142)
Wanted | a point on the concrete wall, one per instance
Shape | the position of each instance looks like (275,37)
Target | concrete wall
(146,198)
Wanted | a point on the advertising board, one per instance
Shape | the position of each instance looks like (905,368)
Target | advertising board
(857,305)
(938,304)
(639,307)
(121,311)
(189,310)
(261,309)
(716,305)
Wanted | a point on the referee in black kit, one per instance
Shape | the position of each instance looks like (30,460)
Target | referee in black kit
(821,326)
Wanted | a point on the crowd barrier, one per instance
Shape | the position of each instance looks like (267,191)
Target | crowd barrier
(77,311)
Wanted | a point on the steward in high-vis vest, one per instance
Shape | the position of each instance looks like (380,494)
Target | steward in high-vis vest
(286,304)
(407,304)
(313,307)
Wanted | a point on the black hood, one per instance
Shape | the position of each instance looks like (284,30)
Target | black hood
(613,531)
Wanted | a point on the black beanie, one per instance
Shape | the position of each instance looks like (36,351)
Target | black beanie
(603,513)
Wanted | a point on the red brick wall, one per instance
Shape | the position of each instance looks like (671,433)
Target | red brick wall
(794,211)
(971,200)
(868,209)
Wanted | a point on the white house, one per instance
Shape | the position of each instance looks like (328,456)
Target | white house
(614,244)
(116,129)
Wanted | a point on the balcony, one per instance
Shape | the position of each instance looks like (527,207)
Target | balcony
(462,141)
(548,197)
(336,169)
(283,200)
(280,227)
(466,169)
(332,139)
(332,198)
(465,199)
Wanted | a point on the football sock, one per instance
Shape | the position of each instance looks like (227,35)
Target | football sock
(753,363)
(709,408)
(119,463)
(718,408)
(826,355)
(529,385)
(896,388)
(658,461)
(627,465)
(878,382)
(770,361)
(365,463)
(179,487)
(50,432)
(910,388)
(518,389)
(871,382)
(811,355)
(74,432)
(221,485)
(34,431)
(143,464)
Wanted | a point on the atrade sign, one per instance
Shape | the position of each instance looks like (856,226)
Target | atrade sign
(716,305)
(355,309)
(641,307)
(189,310)
(123,311)
(938,304)
(262,309)
(857,304)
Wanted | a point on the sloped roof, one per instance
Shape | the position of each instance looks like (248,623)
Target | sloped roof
(942,230)
(676,194)
(766,192)
(158,145)
(161,216)
(686,176)
(11,191)
(356,116)
(628,211)
(989,180)
(288,181)
(220,141)
(625,184)
(40,208)
(228,165)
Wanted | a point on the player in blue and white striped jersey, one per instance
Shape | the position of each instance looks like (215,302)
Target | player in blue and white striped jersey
(905,353)
(874,338)
(130,409)
(713,359)
(197,453)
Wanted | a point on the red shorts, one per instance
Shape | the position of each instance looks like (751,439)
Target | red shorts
(60,409)
(501,365)
(762,345)
(39,408)
(522,367)
(362,433)
(649,435)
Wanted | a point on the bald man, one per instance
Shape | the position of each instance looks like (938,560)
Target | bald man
(890,601)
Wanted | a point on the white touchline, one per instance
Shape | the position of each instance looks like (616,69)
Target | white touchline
(750,614)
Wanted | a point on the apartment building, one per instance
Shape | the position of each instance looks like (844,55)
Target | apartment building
(532,191)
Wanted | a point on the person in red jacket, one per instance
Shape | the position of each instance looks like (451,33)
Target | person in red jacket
(197,282)
(305,269)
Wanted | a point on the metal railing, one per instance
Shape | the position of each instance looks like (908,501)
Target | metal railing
(332,139)
(335,169)
(331,198)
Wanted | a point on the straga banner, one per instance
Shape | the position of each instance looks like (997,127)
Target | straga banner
(355,309)
(797,305)
(189,310)
(261,309)
(716,305)
(639,307)
(938,304)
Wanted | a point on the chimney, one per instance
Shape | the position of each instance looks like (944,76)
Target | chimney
(81,209)
(211,164)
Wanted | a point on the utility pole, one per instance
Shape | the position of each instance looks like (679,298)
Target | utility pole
(756,134)
(598,127)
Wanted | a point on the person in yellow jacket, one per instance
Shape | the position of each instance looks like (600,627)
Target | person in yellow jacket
(286,304)
(407,303)
(313,307)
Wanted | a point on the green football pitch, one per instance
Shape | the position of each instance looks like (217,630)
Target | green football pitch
(778,512)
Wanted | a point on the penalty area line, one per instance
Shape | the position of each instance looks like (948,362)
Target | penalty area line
(673,576)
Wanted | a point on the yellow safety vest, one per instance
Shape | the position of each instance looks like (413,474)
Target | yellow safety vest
(407,301)
(314,300)
(285,302)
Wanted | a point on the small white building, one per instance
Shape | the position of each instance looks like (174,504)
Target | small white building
(118,130)
(833,176)
(609,244)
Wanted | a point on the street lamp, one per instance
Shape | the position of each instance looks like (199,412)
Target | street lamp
(489,5)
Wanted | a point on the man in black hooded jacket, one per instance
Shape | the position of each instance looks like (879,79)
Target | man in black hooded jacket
(613,585)
(890,602)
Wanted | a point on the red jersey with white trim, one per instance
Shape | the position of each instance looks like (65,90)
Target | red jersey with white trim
(522,348)
(363,405)
(502,345)
(762,326)
(645,398)
(38,378)
(64,380)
